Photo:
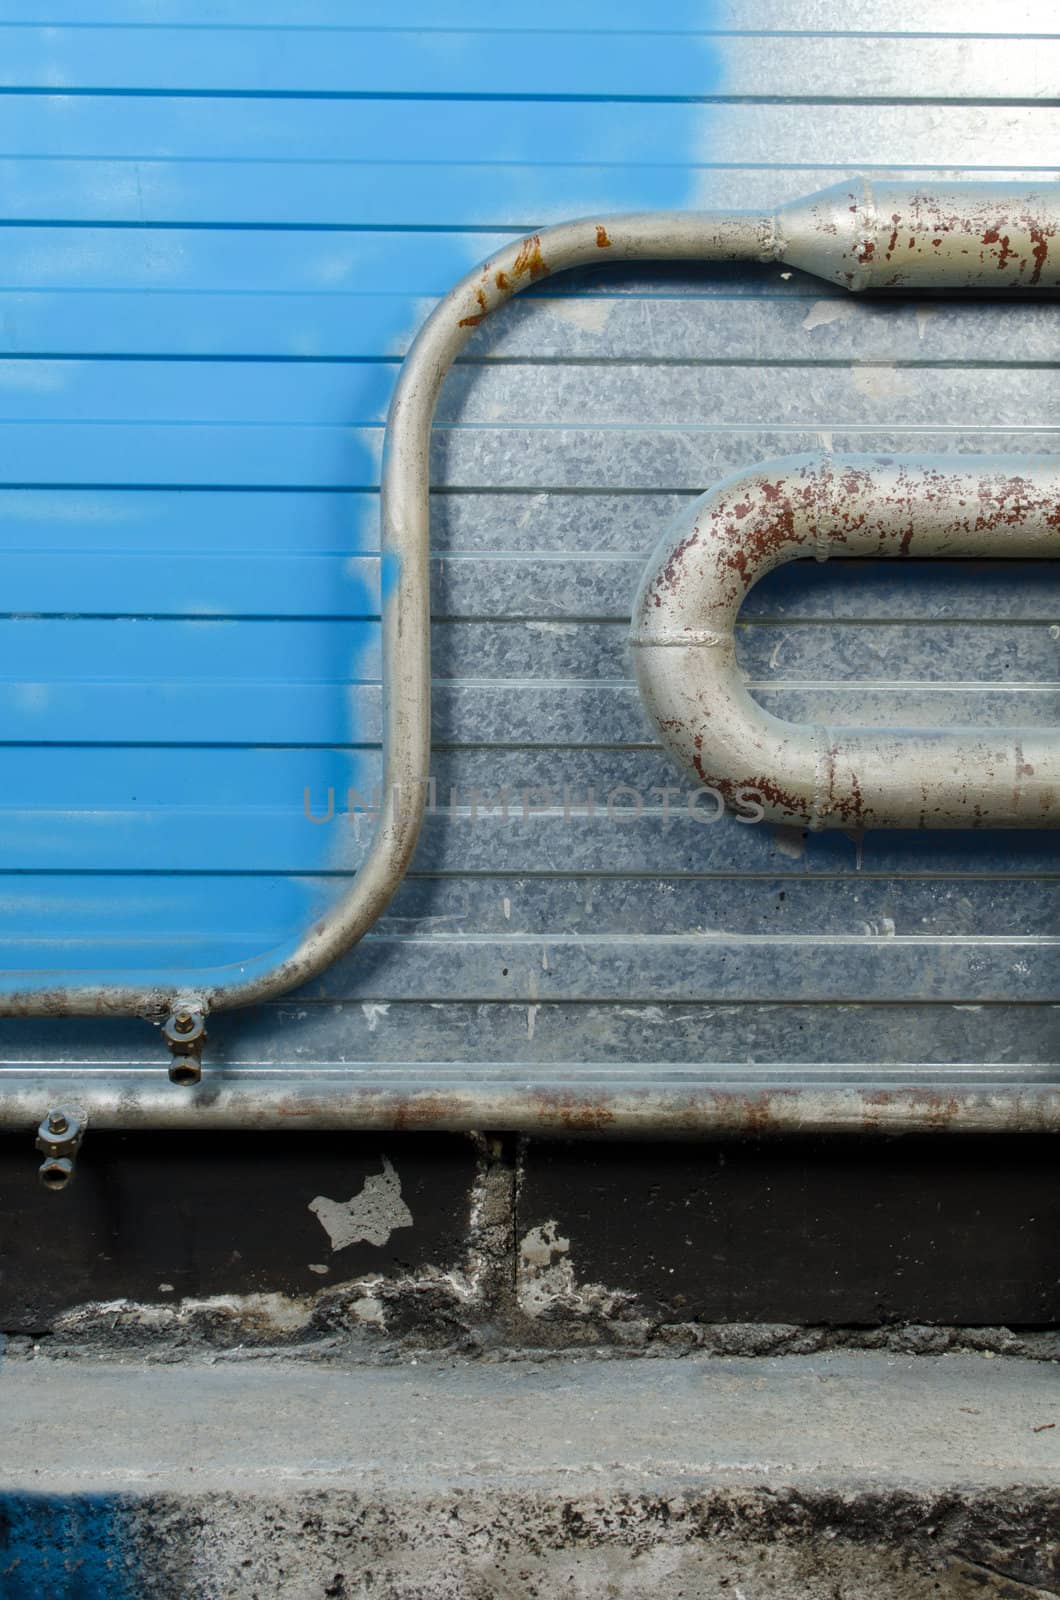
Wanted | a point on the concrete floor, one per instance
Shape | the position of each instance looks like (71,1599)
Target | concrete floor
(842,1475)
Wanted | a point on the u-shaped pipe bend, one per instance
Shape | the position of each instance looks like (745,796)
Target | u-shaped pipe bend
(822,506)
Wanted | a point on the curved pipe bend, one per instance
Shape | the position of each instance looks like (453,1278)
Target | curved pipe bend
(405,547)
(859,234)
(822,506)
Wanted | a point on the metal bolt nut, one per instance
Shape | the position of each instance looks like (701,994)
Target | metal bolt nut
(185,1070)
(58,1140)
(56,1172)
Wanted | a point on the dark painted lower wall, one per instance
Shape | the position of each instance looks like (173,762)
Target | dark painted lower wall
(498,1241)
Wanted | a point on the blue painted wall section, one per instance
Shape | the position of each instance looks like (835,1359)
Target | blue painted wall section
(162,711)
(221,227)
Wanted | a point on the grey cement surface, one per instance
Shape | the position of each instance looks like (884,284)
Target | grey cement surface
(842,1477)
(854,1419)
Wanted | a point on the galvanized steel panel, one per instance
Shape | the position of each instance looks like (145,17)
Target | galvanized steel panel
(187,545)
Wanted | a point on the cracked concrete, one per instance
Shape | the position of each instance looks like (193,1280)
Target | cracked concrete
(456,1411)
(862,1476)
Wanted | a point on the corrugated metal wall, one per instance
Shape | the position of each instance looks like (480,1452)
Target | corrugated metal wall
(222,225)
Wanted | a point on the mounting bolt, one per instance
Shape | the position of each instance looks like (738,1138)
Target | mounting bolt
(184,1031)
(58,1139)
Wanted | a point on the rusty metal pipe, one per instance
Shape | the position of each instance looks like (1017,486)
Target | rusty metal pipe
(989,236)
(868,234)
(821,506)
(244,1100)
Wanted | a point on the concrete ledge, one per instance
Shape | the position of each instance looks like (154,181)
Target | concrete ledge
(841,1475)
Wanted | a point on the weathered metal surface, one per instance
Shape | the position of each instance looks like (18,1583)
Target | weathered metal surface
(833,777)
(373,60)
(570,1101)
(810,236)
(171,503)
(405,612)
(872,235)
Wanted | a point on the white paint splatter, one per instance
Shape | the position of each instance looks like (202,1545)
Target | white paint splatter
(373,1010)
(824,311)
(507,904)
(371,1216)
(524,518)
(880,383)
(924,315)
(542,1245)
(587,312)
(790,842)
(369,1309)
(546,1278)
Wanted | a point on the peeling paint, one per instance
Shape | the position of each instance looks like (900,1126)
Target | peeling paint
(823,312)
(431,1305)
(547,1283)
(370,1216)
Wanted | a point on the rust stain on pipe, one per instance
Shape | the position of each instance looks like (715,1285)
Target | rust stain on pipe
(809,774)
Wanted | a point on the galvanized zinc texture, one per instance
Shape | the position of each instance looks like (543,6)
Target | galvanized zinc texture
(223,229)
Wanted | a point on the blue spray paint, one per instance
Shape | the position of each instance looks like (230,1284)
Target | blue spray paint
(86,528)
(76,1547)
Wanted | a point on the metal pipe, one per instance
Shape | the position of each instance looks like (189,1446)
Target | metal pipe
(685,653)
(990,236)
(663,1102)
(405,544)
(865,234)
